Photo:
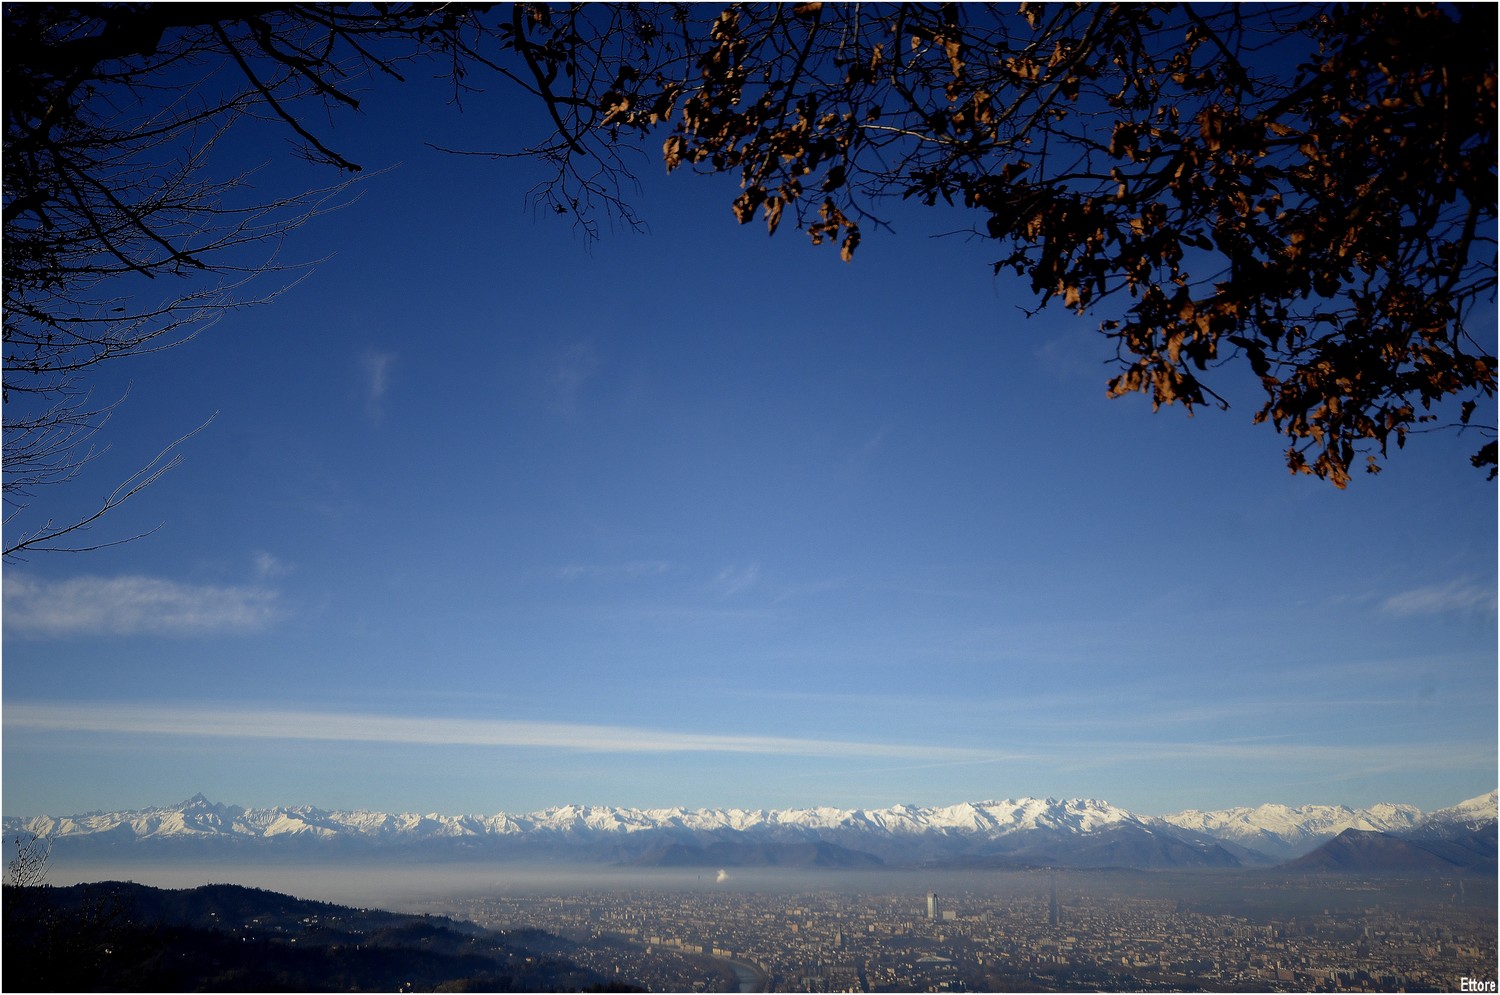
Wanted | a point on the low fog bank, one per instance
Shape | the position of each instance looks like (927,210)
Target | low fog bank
(401,886)
(406,887)
(416,887)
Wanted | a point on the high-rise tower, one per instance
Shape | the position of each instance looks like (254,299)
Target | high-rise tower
(932,905)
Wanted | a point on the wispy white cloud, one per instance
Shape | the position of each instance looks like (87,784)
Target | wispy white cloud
(734,579)
(571,370)
(376,367)
(169,720)
(866,451)
(122,606)
(268,566)
(1455,596)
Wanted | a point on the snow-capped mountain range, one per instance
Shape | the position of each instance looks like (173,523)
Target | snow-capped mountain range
(1033,831)
(1284,831)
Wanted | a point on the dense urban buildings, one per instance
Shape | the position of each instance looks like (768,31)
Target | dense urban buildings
(1021,930)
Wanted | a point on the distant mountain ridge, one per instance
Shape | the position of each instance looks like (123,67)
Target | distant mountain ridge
(1025,831)
(1283,831)
(1359,851)
(1458,839)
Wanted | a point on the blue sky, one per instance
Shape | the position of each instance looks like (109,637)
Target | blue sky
(494,518)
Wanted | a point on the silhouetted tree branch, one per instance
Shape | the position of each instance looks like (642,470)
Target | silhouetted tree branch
(1303,192)
(123,236)
(1308,191)
(33,858)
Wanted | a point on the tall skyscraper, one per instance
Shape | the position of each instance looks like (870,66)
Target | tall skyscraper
(1052,907)
(932,905)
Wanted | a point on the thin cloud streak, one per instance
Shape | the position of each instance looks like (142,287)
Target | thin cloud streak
(342,727)
(149,720)
(1439,599)
(132,605)
(732,580)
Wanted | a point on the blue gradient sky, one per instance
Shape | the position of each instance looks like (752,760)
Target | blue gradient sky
(492,518)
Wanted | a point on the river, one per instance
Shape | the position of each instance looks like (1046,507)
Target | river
(750,977)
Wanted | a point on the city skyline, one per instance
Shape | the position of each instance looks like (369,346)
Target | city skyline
(490,517)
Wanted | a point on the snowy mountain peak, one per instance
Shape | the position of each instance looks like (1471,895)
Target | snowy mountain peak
(1284,830)
(1046,827)
(1473,812)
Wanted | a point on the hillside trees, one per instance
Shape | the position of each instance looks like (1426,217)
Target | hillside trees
(1303,192)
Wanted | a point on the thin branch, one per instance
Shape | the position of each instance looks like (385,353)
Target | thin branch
(544,88)
(35,541)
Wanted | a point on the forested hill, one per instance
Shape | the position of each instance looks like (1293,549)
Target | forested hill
(115,936)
